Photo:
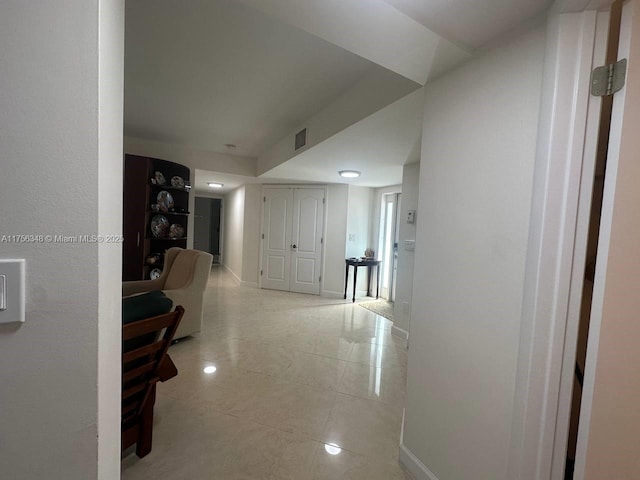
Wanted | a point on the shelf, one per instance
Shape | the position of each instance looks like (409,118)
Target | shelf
(170,213)
(167,239)
(169,187)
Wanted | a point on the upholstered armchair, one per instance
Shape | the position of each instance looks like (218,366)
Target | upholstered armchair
(184,280)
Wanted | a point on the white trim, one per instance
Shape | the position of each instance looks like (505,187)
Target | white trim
(413,464)
(244,283)
(330,294)
(604,245)
(552,239)
(399,332)
(236,279)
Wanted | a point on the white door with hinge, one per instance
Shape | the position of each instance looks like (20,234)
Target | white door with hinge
(293,222)
(306,238)
(276,243)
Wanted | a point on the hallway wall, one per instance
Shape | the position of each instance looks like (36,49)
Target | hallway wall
(476,176)
(61,174)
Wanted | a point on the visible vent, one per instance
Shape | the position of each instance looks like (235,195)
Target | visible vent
(301,138)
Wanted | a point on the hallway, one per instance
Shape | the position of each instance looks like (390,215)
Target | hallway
(304,388)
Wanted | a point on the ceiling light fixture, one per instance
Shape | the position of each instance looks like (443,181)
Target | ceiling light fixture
(215,184)
(210,369)
(332,448)
(349,173)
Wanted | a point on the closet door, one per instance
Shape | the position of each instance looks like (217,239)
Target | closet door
(306,238)
(276,256)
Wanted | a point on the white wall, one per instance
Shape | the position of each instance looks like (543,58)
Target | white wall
(359,213)
(335,244)
(233,206)
(404,278)
(476,173)
(61,161)
(251,232)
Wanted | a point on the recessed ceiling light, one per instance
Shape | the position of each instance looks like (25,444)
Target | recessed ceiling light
(332,448)
(209,369)
(215,185)
(349,173)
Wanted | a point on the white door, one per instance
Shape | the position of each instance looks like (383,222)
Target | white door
(276,256)
(306,238)
(292,239)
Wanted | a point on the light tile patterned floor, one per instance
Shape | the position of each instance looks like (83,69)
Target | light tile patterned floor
(295,375)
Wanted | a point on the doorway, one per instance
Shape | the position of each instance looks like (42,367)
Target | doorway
(206,228)
(389,235)
(292,238)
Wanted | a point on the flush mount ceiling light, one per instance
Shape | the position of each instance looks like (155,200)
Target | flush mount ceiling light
(209,369)
(215,185)
(349,173)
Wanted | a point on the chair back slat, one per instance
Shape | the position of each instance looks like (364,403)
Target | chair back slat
(142,352)
(140,366)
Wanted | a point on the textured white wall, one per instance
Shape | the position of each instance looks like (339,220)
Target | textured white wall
(476,173)
(404,279)
(233,206)
(335,244)
(61,160)
(251,232)
(359,211)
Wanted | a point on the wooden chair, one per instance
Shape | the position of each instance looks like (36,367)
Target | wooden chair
(142,367)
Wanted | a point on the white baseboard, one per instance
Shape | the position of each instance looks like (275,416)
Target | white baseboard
(330,294)
(233,274)
(414,466)
(399,332)
(244,283)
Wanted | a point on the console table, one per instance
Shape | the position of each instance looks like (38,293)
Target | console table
(361,262)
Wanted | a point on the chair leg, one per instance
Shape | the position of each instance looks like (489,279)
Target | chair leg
(143,446)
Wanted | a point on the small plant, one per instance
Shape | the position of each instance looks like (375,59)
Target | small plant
(369,252)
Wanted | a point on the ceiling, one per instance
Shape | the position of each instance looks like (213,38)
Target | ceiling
(471,23)
(203,74)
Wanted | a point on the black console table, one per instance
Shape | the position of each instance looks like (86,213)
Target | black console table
(361,262)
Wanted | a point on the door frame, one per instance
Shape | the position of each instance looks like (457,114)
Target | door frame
(324,226)
(569,117)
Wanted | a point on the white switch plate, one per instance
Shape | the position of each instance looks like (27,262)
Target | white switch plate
(409,245)
(14,290)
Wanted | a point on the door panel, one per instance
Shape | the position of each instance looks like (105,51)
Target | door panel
(278,205)
(306,256)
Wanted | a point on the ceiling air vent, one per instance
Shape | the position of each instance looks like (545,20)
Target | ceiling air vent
(301,138)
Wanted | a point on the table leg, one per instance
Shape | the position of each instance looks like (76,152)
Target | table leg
(369,280)
(346,280)
(378,281)
(355,281)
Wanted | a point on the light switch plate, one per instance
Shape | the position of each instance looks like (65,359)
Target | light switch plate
(409,245)
(13,271)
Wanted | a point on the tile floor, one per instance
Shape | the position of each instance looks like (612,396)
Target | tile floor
(305,388)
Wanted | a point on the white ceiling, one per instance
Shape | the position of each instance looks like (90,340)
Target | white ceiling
(208,73)
(471,23)
(377,146)
(200,74)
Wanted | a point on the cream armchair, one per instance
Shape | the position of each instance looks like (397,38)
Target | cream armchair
(184,280)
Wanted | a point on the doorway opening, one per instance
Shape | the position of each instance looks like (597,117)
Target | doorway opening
(389,235)
(206,228)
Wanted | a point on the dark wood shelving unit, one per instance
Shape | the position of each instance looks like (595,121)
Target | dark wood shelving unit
(139,194)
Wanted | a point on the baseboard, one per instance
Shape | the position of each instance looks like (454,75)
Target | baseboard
(244,283)
(414,466)
(330,294)
(233,275)
(399,332)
